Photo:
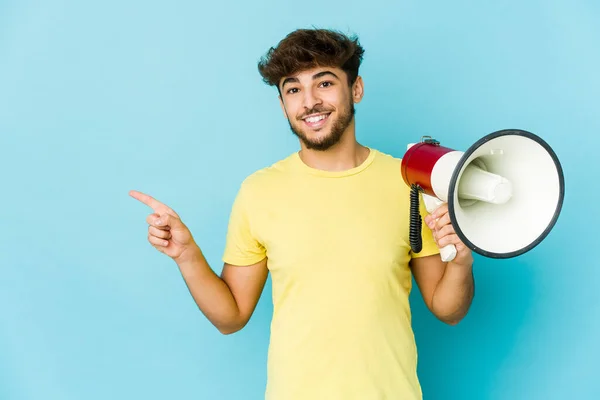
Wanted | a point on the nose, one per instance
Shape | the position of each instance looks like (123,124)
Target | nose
(311,99)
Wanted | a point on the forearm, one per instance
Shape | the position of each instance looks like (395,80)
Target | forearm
(454,293)
(211,294)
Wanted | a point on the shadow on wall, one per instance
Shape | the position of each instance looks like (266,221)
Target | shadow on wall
(464,361)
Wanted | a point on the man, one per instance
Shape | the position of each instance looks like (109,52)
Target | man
(331,225)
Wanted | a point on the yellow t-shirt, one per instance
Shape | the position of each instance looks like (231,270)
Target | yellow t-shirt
(337,250)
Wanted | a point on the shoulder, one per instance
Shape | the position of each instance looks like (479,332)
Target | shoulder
(387,159)
(388,169)
(268,176)
(388,163)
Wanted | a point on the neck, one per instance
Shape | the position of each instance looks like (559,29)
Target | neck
(344,155)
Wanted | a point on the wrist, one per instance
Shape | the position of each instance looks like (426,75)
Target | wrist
(191,255)
(463,263)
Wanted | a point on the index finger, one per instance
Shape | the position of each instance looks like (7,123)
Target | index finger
(441,210)
(151,202)
(443,221)
(146,199)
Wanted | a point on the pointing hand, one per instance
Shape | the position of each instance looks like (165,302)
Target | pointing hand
(166,232)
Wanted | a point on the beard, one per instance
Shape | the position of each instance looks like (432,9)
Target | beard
(338,128)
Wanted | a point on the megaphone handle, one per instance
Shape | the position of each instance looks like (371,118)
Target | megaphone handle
(447,253)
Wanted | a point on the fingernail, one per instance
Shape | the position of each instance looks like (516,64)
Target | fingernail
(158,222)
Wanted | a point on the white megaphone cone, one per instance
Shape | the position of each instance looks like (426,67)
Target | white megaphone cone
(504,193)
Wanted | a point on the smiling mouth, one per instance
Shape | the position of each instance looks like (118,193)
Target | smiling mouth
(316,121)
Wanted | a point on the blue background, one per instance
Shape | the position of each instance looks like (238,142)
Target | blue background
(97,98)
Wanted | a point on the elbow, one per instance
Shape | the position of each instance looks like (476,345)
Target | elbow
(231,328)
(453,319)
(227,331)
(452,316)
(452,322)
(450,319)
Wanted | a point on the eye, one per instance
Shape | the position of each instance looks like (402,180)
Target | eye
(292,91)
(326,84)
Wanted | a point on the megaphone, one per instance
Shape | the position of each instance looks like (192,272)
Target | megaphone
(504,193)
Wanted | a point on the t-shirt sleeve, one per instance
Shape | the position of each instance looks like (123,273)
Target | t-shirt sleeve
(241,245)
(429,247)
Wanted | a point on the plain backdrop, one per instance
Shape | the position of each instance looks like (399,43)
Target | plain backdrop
(98,98)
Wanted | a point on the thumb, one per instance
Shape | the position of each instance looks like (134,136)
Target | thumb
(168,220)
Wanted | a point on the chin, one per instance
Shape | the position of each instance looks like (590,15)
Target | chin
(322,143)
(320,139)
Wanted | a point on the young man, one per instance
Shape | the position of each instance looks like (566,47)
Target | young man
(331,225)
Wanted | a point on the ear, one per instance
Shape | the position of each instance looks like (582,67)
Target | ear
(282,107)
(358,89)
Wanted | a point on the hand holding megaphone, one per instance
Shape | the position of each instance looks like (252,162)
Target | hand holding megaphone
(447,252)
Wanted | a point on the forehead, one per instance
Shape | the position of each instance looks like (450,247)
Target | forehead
(308,75)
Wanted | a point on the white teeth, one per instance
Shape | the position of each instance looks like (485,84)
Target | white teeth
(312,120)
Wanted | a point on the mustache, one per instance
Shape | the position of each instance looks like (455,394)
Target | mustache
(314,110)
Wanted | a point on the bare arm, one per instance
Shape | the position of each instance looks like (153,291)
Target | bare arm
(447,288)
(227,301)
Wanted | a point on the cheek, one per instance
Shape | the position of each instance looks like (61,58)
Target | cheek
(291,109)
(337,100)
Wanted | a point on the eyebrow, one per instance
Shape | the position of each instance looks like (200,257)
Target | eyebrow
(315,76)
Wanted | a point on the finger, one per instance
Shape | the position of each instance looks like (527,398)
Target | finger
(156,221)
(428,220)
(441,210)
(445,231)
(443,222)
(159,233)
(151,202)
(448,239)
(155,241)
(147,200)
(438,213)
(165,221)
(169,222)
